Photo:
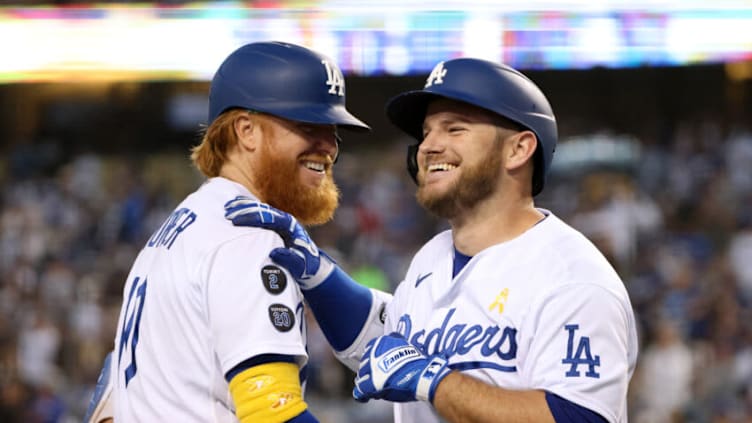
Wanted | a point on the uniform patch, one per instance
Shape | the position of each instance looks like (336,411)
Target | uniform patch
(274,279)
(500,301)
(582,356)
(282,318)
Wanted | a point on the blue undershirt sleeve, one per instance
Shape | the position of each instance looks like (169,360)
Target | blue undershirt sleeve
(568,412)
(304,417)
(341,307)
(257,361)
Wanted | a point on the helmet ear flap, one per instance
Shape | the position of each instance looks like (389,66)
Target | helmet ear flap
(412,161)
(338,139)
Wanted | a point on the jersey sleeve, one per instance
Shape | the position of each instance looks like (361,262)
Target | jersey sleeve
(254,307)
(582,348)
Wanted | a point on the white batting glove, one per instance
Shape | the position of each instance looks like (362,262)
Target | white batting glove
(301,257)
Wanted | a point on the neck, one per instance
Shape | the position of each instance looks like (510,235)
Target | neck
(492,222)
(230,170)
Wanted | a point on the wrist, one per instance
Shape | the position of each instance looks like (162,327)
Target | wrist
(428,381)
(324,272)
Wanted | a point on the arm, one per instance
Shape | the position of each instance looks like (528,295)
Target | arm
(394,370)
(330,292)
(267,388)
(464,398)
(100,407)
(255,323)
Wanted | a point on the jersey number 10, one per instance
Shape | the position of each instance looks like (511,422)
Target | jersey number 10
(131,322)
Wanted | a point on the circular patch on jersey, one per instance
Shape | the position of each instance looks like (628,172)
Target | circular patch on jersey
(274,279)
(282,317)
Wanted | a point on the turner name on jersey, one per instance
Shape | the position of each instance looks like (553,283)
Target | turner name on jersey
(173,226)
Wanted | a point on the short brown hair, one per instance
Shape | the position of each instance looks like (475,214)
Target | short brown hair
(210,155)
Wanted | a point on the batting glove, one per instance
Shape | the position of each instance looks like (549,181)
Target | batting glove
(301,257)
(394,370)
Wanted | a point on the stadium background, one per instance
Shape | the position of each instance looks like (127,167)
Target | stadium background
(654,165)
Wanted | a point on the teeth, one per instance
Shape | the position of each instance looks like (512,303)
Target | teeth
(441,167)
(318,167)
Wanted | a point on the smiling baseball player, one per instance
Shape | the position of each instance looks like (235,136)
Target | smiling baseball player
(210,329)
(509,316)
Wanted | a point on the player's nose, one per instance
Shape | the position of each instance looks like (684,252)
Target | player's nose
(432,143)
(327,144)
(324,140)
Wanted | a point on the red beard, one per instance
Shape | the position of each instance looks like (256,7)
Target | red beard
(278,184)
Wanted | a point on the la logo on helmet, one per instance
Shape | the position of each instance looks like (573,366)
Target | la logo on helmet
(437,75)
(334,79)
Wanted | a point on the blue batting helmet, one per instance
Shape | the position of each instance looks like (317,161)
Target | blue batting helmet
(284,80)
(491,86)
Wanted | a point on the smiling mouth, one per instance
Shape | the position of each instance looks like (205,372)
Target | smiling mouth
(315,166)
(441,167)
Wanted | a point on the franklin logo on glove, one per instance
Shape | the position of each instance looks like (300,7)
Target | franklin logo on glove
(395,370)
(397,356)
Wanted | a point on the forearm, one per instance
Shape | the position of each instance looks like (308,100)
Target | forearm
(349,314)
(371,328)
(338,296)
(461,398)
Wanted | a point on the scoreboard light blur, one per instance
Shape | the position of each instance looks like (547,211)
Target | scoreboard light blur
(150,42)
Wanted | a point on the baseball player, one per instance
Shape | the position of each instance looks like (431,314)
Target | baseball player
(210,329)
(509,316)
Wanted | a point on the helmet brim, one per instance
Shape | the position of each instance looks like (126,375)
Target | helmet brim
(320,115)
(407,111)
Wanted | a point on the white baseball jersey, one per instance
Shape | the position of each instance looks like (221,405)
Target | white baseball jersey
(542,311)
(201,297)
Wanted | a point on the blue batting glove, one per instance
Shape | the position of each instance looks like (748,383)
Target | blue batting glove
(301,257)
(395,370)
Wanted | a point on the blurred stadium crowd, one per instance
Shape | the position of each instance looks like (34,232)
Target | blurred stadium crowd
(677,225)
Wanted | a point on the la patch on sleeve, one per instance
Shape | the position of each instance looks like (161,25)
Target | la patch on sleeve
(579,354)
(274,279)
(282,317)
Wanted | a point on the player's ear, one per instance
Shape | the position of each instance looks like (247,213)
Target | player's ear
(244,127)
(520,149)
